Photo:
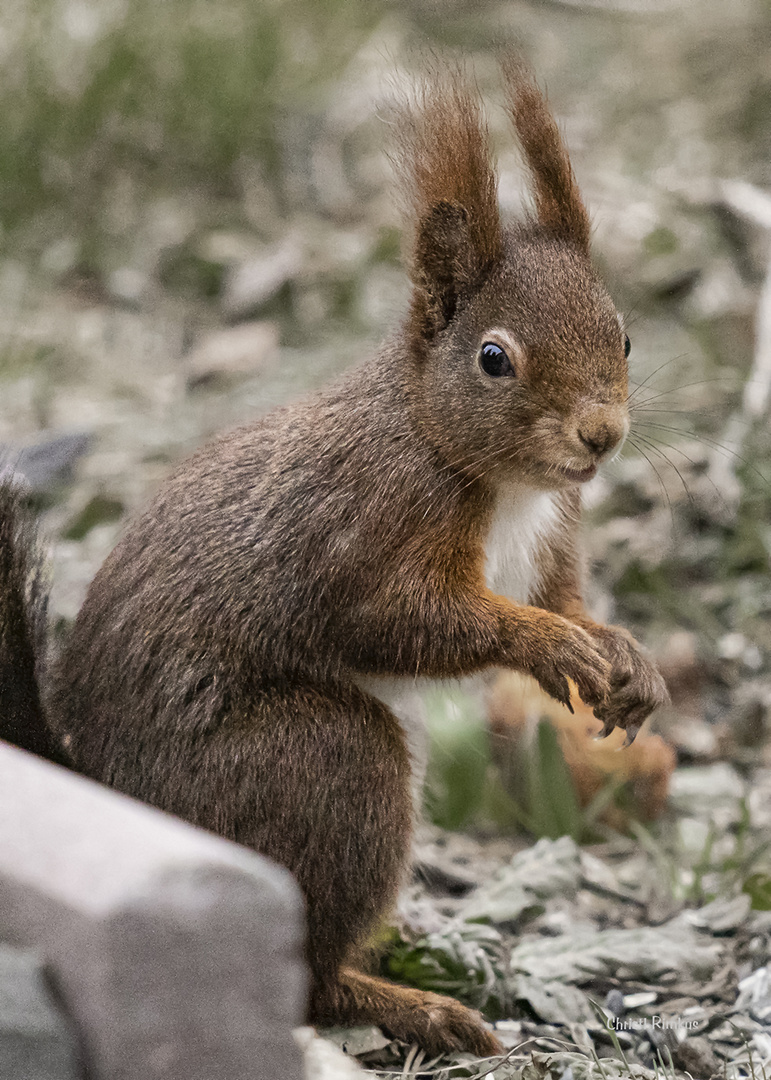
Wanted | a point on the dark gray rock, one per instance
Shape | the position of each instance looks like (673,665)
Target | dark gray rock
(46,463)
(176,953)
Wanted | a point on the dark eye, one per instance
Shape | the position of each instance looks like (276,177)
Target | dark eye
(494,361)
(627,345)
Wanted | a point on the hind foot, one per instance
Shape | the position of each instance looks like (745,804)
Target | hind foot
(438,1024)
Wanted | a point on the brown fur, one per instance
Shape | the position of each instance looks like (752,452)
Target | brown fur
(23,606)
(558,202)
(442,156)
(215,667)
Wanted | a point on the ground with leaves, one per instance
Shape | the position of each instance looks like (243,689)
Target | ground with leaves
(198,225)
(603,952)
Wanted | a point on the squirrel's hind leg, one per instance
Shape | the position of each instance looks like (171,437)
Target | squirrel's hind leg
(318,778)
(353,794)
(438,1024)
(331,801)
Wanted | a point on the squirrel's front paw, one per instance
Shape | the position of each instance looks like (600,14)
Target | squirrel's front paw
(561,651)
(636,687)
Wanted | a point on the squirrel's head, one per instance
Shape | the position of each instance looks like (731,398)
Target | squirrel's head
(515,345)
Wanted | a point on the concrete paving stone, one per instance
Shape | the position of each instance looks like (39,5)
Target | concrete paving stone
(36,1040)
(176,953)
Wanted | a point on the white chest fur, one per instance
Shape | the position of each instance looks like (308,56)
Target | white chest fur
(522,518)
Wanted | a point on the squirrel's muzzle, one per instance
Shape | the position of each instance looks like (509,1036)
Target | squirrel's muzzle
(603,429)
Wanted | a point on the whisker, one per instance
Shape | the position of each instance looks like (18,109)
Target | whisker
(647,379)
(688,386)
(655,444)
(490,457)
(662,485)
(688,458)
(727,451)
(642,406)
(655,448)
(632,316)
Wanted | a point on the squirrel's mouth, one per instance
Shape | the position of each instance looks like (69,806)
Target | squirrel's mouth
(579,476)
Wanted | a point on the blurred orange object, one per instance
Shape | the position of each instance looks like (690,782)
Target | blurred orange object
(640,772)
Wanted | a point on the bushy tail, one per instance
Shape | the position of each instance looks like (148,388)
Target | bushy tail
(23,610)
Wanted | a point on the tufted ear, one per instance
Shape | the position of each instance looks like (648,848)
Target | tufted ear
(444,265)
(442,157)
(558,202)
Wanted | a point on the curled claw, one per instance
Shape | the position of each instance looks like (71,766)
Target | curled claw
(608,726)
(636,687)
(631,728)
(631,734)
(562,691)
(556,685)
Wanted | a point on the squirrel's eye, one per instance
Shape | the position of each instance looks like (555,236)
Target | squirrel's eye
(627,345)
(494,361)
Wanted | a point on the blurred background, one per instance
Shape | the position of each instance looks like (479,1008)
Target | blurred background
(198,222)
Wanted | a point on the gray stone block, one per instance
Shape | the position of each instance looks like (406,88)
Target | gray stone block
(176,953)
(36,1042)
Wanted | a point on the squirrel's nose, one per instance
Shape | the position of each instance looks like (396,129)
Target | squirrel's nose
(602,432)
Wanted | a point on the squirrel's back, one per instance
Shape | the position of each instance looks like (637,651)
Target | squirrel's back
(260,560)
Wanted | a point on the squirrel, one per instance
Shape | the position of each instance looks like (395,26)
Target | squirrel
(234,658)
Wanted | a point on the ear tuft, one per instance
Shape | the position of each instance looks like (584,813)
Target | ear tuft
(442,157)
(559,205)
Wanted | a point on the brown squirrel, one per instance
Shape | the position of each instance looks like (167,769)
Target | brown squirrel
(234,656)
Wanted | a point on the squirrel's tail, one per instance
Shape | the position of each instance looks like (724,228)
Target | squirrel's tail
(23,611)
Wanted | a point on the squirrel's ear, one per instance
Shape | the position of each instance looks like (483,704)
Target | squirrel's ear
(558,202)
(442,158)
(443,266)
